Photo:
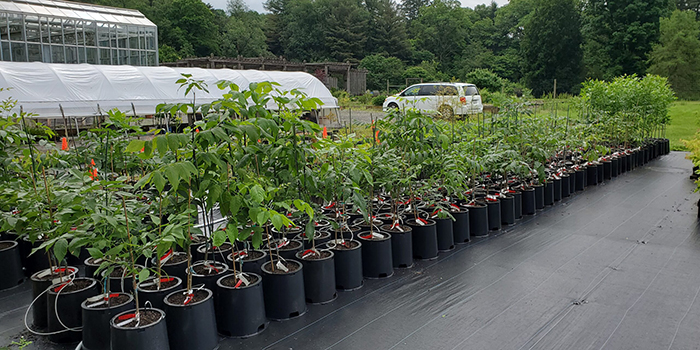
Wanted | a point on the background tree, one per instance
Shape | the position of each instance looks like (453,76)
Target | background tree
(380,69)
(387,29)
(552,47)
(677,56)
(243,32)
(345,30)
(619,34)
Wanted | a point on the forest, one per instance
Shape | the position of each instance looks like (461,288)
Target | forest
(518,47)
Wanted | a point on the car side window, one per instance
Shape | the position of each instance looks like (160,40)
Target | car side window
(412,91)
(471,91)
(428,90)
(446,90)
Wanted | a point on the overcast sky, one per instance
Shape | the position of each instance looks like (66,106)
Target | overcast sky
(257,5)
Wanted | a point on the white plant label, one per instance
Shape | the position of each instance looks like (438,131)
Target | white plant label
(282,267)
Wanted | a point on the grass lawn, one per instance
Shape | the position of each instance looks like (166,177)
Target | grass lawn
(685,122)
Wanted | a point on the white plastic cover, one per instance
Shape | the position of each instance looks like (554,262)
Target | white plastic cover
(41,87)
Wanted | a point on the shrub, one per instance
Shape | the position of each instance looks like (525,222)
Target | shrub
(485,79)
(379,100)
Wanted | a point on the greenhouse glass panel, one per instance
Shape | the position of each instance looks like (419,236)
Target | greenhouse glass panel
(103,34)
(71,54)
(34,52)
(45,30)
(19,52)
(57,55)
(32,29)
(16,27)
(5,47)
(69,32)
(122,37)
(3,27)
(91,53)
(89,32)
(105,57)
(56,28)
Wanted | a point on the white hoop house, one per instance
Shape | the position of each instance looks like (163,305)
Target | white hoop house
(42,88)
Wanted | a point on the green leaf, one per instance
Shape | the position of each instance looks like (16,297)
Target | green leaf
(60,249)
(135,146)
(162,144)
(173,142)
(232,232)
(173,177)
(143,275)
(218,238)
(257,193)
(159,181)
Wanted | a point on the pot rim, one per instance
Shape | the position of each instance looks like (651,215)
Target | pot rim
(220,285)
(210,295)
(269,272)
(84,306)
(223,265)
(112,325)
(73,269)
(359,245)
(317,260)
(10,247)
(92,280)
(230,256)
(201,248)
(138,286)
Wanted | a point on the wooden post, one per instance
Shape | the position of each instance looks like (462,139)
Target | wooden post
(555,88)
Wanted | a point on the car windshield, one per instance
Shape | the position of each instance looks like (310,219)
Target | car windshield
(412,91)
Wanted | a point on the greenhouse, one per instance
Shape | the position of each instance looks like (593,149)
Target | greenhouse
(67,32)
(90,90)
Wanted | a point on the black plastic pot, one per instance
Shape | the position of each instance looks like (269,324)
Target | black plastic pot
(10,265)
(622,163)
(209,281)
(377,259)
(348,265)
(549,193)
(478,220)
(284,293)
(425,241)
(557,189)
(155,297)
(631,158)
(607,170)
(592,175)
(401,246)
(494,214)
(217,254)
(600,170)
(174,269)
(197,241)
(64,310)
(289,250)
(508,209)
(572,182)
(518,200)
(96,322)
(460,227)
(192,326)
(320,237)
(319,278)
(614,167)
(149,337)
(39,285)
(122,283)
(250,265)
(539,196)
(529,201)
(580,179)
(32,263)
(240,311)
(565,186)
(91,268)
(445,234)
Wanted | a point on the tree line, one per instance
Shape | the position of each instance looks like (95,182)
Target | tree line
(523,45)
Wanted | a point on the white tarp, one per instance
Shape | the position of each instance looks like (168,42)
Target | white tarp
(79,88)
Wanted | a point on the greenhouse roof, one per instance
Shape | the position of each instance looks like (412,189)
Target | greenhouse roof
(79,88)
(75,10)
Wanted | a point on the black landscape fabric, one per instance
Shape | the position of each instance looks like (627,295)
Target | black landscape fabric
(616,266)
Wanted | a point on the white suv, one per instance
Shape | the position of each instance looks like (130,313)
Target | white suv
(446,98)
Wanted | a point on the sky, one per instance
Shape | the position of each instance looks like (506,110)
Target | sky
(257,5)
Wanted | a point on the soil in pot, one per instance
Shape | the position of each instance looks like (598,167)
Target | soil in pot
(207,272)
(91,266)
(149,292)
(97,312)
(251,260)
(11,264)
(287,249)
(149,332)
(348,264)
(319,276)
(214,253)
(377,261)
(240,310)
(283,290)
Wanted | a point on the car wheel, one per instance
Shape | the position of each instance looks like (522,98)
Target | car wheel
(393,106)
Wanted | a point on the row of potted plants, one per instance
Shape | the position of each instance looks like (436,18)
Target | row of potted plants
(249,213)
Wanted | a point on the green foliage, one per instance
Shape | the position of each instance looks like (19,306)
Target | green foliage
(619,34)
(677,56)
(381,70)
(378,100)
(485,79)
(552,47)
